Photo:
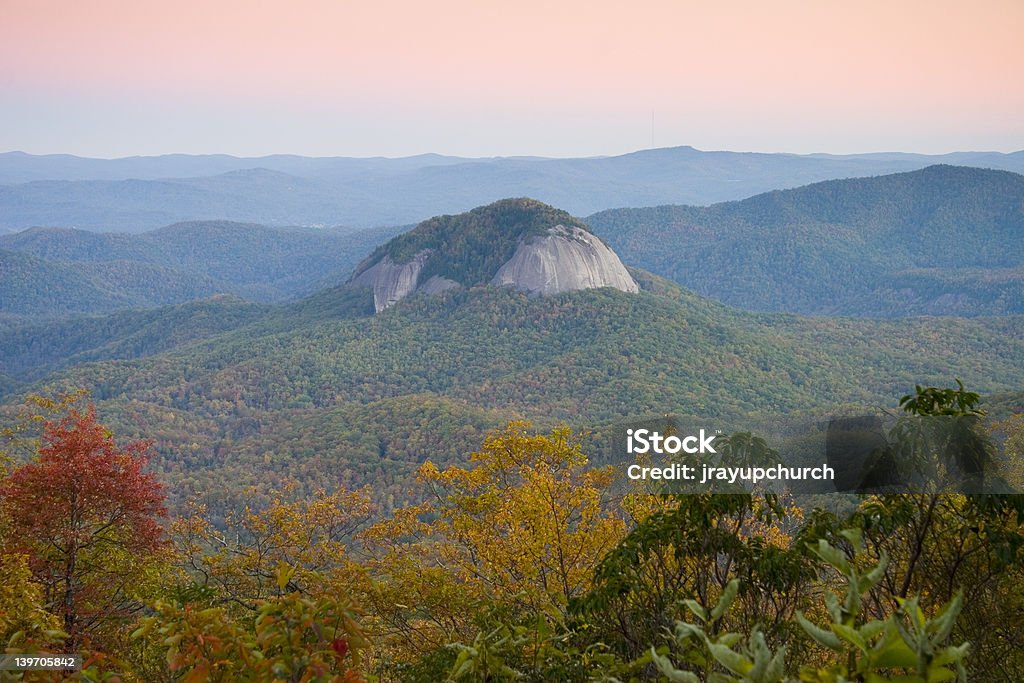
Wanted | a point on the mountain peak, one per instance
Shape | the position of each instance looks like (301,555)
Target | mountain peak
(520,243)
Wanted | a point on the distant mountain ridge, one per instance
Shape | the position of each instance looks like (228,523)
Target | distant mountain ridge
(141,193)
(943,240)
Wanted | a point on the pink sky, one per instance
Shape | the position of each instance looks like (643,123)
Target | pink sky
(107,78)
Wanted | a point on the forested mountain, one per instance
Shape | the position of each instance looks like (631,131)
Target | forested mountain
(938,241)
(30,285)
(57,271)
(32,350)
(220,404)
(143,193)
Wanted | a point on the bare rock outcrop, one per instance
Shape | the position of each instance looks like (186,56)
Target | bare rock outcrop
(391,282)
(565,260)
(436,284)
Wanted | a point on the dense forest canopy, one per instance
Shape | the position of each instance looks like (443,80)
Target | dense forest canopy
(943,240)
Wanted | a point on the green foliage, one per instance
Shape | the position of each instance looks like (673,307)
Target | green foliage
(221,406)
(905,645)
(33,350)
(934,402)
(693,549)
(714,656)
(32,286)
(290,638)
(942,436)
(944,240)
(55,272)
(532,651)
(485,659)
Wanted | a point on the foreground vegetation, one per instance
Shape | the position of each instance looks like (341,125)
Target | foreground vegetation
(521,566)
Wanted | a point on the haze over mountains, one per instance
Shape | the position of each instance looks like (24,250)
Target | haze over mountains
(938,241)
(142,193)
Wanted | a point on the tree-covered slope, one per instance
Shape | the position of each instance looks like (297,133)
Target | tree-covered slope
(941,240)
(30,285)
(179,263)
(587,358)
(31,350)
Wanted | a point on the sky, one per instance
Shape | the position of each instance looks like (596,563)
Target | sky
(110,78)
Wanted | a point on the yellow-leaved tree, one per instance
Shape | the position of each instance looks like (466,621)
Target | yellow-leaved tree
(517,533)
(240,565)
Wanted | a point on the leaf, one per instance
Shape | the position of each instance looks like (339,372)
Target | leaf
(850,635)
(284,574)
(697,609)
(673,674)
(730,659)
(821,636)
(894,653)
(727,598)
(198,675)
(875,575)
(832,556)
(951,655)
(942,624)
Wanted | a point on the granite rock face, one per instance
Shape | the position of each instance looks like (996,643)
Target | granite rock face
(391,282)
(436,284)
(565,260)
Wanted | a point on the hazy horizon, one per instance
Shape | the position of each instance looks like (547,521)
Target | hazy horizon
(114,78)
(505,156)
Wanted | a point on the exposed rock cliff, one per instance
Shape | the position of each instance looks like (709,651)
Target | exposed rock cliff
(391,282)
(518,243)
(565,260)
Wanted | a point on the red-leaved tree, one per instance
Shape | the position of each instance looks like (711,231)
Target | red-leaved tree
(87,516)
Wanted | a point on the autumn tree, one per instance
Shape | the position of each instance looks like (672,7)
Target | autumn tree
(239,563)
(519,532)
(87,517)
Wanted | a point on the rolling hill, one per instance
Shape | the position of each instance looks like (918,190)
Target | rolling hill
(58,271)
(938,241)
(322,390)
